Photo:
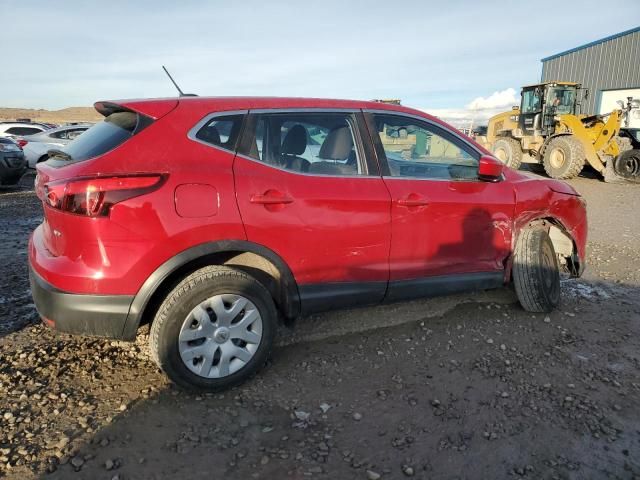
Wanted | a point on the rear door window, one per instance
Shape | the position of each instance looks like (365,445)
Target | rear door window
(320,143)
(103,137)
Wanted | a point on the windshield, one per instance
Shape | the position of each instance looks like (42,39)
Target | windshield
(113,131)
(562,99)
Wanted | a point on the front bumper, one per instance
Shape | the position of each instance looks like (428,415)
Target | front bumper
(95,315)
(12,167)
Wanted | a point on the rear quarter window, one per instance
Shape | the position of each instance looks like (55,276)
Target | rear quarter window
(220,130)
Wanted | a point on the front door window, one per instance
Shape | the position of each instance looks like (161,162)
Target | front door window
(413,149)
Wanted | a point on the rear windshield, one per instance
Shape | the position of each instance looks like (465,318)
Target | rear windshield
(113,131)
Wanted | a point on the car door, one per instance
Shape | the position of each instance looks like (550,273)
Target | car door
(309,189)
(447,225)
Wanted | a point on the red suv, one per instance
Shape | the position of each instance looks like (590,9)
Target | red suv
(213,218)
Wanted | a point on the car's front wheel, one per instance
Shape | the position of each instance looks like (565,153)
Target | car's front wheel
(214,330)
(535,271)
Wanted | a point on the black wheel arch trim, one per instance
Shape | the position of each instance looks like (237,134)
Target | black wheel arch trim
(289,303)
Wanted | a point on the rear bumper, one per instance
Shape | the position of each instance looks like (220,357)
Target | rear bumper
(95,315)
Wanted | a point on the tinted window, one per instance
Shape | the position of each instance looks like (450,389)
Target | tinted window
(531,101)
(22,131)
(71,134)
(113,131)
(562,100)
(67,134)
(416,149)
(320,143)
(221,131)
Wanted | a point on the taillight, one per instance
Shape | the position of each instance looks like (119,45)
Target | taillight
(22,142)
(94,197)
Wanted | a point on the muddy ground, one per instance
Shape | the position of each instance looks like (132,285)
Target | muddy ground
(467,386)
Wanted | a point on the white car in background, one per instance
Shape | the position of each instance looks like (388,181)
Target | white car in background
(36,146)
(20,129)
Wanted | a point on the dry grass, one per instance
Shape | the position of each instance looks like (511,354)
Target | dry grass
(71,114)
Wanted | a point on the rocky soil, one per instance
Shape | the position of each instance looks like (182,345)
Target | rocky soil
(468,386)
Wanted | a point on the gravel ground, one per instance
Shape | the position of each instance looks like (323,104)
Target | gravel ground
(467,386)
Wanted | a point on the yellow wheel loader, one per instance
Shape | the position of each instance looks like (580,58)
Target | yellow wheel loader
(549,129)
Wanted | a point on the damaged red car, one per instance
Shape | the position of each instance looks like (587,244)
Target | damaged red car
(212,219)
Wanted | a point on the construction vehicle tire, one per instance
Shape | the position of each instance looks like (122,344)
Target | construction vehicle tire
(508,151)
(564,157)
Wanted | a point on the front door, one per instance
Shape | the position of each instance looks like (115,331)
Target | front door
(446,223)
(530,118)
(307,190)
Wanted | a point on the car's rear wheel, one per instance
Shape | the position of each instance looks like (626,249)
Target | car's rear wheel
(535,271)
(214,330)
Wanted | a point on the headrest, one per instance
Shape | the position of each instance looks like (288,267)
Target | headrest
(295,141)
(209,134)
(337,145)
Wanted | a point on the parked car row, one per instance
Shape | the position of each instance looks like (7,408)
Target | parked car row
(23,144)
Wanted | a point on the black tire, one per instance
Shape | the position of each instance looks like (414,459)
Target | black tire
(190,292)
(564,157)
(508,151)
(536,168)
(627,166)
(43,158)
(535,271)
(11,181)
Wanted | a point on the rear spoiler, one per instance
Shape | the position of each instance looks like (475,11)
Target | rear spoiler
(155,109)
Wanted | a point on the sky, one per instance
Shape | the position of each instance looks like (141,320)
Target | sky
(444,57)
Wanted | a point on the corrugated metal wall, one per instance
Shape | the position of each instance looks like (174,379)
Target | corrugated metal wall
(612,64)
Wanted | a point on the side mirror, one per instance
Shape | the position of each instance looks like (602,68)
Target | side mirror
(490,169)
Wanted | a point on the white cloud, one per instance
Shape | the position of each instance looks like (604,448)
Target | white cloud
(479,110)
(503,99)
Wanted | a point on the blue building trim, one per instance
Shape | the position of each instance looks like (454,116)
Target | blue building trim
(591,44)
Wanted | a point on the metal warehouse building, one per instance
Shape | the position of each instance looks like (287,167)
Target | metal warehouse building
(609,68)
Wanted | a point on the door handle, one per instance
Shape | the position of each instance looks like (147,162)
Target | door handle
(413,200)
(270,198)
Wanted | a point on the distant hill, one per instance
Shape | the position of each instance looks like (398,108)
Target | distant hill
(71,114)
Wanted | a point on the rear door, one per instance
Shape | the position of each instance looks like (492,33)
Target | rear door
(307,188)
(445,221)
